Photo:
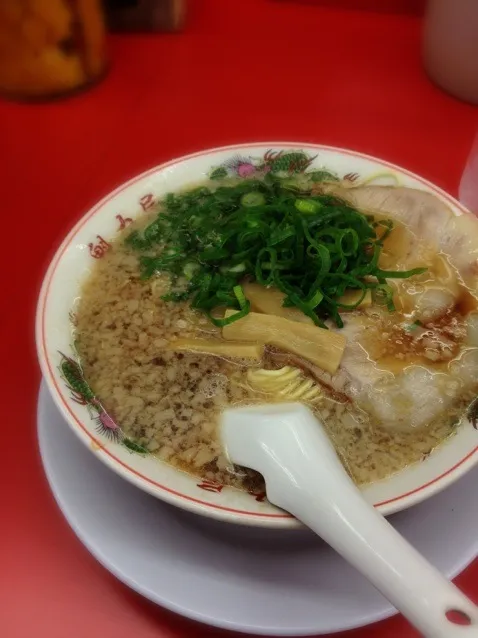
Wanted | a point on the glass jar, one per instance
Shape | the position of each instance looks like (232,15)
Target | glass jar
(49,48)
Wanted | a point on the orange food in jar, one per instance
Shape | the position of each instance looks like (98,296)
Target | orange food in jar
(50,47)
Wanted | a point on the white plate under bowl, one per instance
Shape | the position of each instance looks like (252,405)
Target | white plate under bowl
(270,582)
(89,240)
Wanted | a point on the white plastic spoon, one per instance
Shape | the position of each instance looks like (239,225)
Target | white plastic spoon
(289,447)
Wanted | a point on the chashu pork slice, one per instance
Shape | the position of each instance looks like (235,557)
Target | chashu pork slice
(409,396)
(413,395)
(430,219)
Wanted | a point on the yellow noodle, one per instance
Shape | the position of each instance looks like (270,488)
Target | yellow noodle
(287,383)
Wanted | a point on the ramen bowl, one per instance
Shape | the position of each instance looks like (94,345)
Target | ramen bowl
(89,241)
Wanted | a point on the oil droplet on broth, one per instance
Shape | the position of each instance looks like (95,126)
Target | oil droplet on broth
(214,385)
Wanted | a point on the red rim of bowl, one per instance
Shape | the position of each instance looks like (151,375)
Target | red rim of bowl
(189,501)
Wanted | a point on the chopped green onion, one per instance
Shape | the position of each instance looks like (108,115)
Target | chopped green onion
(311,248)
(383,294)
(399,274)
(316,299)
(238,267)
(253,199)
(281,234)
(213,254)
(189,270)
(241,298)
(307,206)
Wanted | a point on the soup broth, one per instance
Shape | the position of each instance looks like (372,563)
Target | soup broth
(169,402)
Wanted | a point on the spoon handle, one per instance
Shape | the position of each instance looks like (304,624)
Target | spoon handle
(316,490)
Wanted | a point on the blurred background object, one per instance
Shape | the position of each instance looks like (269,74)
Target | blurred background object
(468,190)
(145,15)
(49,48)
(450,46)
(413,7)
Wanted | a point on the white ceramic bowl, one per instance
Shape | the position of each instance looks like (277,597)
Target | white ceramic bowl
(88,240)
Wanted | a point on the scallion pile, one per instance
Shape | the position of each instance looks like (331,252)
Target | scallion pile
(312,247)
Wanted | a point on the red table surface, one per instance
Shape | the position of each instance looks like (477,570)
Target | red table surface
(248,71)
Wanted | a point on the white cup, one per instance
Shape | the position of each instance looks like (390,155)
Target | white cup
(450,46)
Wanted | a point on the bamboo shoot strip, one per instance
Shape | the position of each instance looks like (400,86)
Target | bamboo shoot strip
(323,348)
